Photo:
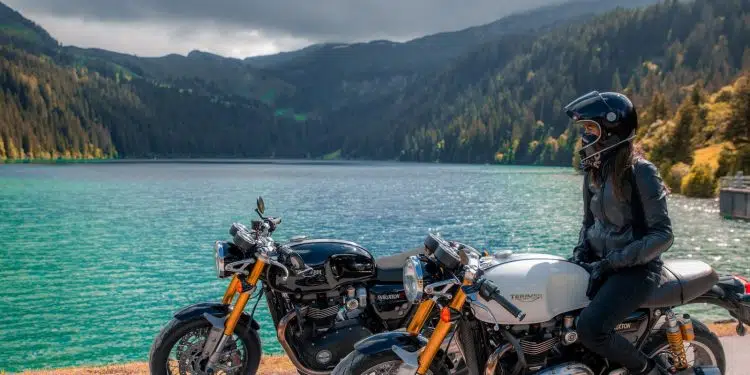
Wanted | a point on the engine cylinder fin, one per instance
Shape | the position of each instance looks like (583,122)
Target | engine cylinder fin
(536,348)
(315,313)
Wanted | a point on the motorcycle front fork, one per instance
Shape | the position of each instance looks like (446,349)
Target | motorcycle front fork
(224,328)
(441,330)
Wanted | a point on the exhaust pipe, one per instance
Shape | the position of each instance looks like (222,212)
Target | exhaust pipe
(281,334)
(495,358)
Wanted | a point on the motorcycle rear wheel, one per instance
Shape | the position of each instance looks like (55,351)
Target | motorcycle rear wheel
(177,333)
(705,350)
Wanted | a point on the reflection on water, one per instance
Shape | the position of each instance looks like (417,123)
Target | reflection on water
(95,258)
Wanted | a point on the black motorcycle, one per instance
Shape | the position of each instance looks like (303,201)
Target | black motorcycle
(324,295)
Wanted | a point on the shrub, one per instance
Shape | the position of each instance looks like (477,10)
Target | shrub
(699,182)
(675,174)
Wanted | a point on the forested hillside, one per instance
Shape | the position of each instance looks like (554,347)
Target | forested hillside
(495,96)
(491,108)
(335,75)
(708,137)
(48,111)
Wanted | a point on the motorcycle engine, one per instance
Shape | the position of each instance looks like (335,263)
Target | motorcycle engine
(330,327)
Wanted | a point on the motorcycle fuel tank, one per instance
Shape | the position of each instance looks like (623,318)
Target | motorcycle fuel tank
(334,263)
(541,285)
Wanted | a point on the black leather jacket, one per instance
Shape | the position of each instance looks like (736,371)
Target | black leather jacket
(619,230)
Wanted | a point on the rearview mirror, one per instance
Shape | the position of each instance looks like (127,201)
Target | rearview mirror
(261,206)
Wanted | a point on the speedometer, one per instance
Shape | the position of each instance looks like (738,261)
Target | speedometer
(443,251)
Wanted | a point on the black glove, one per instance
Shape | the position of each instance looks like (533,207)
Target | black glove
(598,270)
(578,257)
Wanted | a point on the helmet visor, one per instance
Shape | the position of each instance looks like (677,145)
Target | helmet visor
(588,106)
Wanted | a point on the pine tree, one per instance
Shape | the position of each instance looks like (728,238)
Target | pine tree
(739,124)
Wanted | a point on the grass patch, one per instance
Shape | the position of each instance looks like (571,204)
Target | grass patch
(336,155)
(708,155)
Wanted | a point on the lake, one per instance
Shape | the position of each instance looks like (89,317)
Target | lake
(96,257)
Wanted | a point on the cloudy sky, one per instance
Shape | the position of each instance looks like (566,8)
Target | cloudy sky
(243,28)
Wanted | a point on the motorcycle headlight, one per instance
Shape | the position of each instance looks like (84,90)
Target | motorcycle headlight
(220,254)
(413,279)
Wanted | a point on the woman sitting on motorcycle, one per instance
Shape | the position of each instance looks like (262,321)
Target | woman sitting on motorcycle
(626,226)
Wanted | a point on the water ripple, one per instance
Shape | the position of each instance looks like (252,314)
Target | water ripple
(94,259)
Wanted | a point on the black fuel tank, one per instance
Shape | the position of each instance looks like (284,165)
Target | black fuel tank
(334,263)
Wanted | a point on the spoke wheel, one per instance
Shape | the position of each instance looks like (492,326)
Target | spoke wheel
(178,350)
(704,350)
(186,357)
(697,354)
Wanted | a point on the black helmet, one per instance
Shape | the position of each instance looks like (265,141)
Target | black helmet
(607,120)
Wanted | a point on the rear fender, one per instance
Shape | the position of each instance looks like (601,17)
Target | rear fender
(729,294)
(213,312)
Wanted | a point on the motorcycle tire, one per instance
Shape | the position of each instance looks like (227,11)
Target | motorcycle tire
(176,329)
(356,363)
(706,344)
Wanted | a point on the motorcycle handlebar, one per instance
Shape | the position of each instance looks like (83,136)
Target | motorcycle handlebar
(488,290)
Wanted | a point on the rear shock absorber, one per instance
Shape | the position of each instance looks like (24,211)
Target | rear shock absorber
(674,338)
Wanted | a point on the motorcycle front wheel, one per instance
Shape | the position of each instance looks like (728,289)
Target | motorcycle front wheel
(384,363)
(178,350)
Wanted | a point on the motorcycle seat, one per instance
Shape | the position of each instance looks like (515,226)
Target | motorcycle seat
(682,280)
(390,268)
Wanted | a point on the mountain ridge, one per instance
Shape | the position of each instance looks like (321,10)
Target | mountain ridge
(497,103)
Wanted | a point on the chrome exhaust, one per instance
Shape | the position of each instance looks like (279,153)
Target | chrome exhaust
(491,366)
(281,334)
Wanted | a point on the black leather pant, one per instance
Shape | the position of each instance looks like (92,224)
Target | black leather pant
(620,295)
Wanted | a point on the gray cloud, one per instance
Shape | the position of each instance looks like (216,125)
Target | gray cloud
(294,21)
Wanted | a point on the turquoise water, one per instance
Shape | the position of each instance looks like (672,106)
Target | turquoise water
(95,258)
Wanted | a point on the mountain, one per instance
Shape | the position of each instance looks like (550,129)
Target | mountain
(499,100)
(508,110)
(220,74)
(17,30)
(67,102)
(331,76)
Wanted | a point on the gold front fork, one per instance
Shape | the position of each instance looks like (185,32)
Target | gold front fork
(234,286)
(231,290)
(420,317)
(236,313)
(442,329)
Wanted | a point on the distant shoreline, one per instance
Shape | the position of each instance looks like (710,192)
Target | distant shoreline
(209,160)
(269,365)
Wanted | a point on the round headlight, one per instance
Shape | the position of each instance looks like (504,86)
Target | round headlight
(219,254)
(413,279)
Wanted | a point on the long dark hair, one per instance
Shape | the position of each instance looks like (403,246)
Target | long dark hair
(618,167)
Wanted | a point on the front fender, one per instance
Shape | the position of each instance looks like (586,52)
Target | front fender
(214,309)
(384,341)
